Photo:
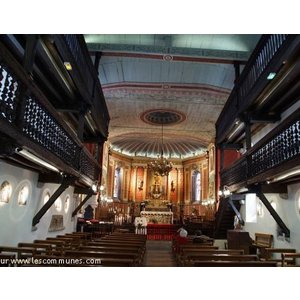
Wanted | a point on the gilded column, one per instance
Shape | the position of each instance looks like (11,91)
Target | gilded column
(134,183)
(144,185)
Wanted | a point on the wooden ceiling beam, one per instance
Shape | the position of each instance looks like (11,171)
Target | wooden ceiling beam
(264,118)
(66,182)
(231,146)
(30,52)
(87,197)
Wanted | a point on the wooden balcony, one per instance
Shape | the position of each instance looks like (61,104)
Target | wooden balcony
(72,48)
(276,153)
(276,53)
(29,121)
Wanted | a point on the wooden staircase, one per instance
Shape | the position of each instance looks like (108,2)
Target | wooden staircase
(225,218)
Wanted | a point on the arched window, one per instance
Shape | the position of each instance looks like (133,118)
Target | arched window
(196,186)
(117,184)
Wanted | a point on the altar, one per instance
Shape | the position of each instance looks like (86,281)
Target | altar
(161,217)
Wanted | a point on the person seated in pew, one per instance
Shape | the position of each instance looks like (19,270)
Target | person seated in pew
(200,238)
(181,238)
(182,232)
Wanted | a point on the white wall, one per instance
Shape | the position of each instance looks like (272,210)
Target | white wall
(288,210)
(16,220)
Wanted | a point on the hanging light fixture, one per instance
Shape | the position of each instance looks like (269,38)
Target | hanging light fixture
(161,166)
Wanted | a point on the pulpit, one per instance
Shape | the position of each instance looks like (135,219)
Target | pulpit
(239,239)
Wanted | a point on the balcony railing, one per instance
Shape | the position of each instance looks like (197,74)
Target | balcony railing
(267,52)
(277,152)
(30,120)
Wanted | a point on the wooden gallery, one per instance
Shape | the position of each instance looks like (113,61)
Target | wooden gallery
(154,150)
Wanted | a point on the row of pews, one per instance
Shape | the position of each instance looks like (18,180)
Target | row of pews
(191,254)
(78,250)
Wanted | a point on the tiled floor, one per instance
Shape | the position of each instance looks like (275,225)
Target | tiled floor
(159,254)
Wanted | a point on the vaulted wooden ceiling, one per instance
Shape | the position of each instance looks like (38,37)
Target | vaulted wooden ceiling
(189,74)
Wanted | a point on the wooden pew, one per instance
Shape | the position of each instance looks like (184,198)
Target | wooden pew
(289,259)
(47,248)
(72,243)
(193,255)
(221,257)
(120,250)
(57,245)
(123,239)
(127,236)
(262,241)
(269,253)
(118,244)
(183,248)
(255,263)
(75,241)
(20,251)
(24,254)
(84,235)
(115,244)
(138,248)
(176,244)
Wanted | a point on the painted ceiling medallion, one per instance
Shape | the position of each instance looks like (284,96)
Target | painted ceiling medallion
(167,57)
(162,116)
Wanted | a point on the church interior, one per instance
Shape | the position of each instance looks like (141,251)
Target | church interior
(150,150)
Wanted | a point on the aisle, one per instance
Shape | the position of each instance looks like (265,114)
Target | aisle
(159,254)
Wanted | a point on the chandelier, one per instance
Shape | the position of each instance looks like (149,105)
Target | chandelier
(161,166)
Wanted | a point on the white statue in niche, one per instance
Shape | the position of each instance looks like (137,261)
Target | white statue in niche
(23,195)
(5,192)
(67,204)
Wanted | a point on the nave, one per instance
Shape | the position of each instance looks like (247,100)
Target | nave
(208,139)
(121,249)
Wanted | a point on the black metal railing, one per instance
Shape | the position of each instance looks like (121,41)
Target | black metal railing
(42,128)
(277,148)
(9,88)
(25,108)
(265,52)
(278,151)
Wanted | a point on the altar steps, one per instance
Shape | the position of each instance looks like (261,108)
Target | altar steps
(159,254)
